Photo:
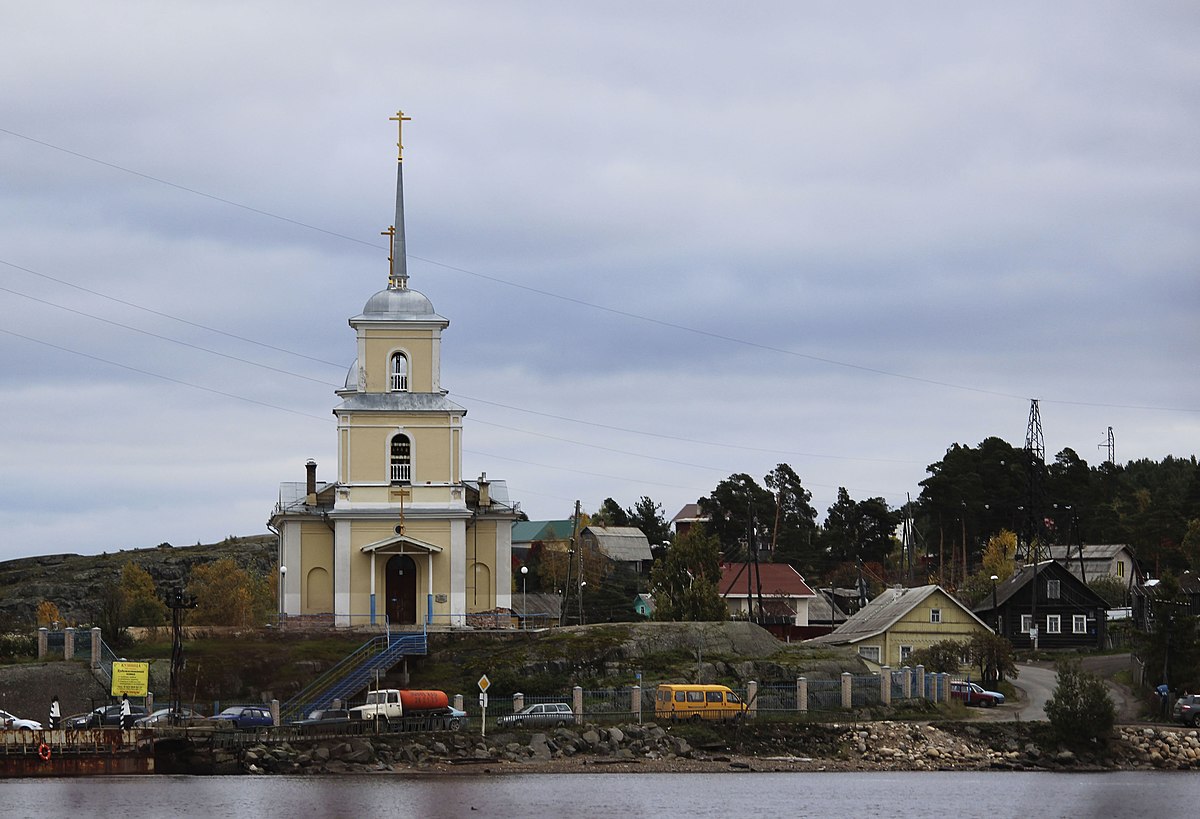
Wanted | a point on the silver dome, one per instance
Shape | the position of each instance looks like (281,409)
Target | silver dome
(398,302)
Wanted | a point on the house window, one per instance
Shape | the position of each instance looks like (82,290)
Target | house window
(869,653)
(1026,623)
(401,459)
(935,615)
(905,653)
(1120,568)
(1052,589)
(399,373)
(1053,624)
(1079,623)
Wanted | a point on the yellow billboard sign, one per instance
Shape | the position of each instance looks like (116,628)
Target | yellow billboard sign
(130,678)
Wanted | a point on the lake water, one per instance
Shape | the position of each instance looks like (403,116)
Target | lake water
(985,795)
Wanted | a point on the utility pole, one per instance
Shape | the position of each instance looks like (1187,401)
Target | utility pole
(566,598)
(1035,454)
(1111,446)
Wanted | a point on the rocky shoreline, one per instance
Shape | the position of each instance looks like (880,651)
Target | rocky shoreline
(650,748)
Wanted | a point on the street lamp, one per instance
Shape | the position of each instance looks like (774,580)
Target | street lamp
(994,610)
(524,606)
(282,575)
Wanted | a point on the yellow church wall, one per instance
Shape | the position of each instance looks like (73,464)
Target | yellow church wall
(481,566)
(416,343)
(316,567)
(367,452)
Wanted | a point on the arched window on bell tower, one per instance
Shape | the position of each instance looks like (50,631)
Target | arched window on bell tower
(398,381)
(401,460)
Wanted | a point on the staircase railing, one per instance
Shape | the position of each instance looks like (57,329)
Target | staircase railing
(354,672)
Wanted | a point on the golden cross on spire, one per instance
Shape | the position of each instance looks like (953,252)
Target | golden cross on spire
(391,234)
(399,119)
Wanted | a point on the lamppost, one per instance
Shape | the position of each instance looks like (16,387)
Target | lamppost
(282,577)
(524,605)
(995,611)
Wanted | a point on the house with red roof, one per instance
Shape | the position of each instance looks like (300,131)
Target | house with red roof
(775,593)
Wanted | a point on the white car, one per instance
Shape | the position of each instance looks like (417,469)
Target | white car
(16,723)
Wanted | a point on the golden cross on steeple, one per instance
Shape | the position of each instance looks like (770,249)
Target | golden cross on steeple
(391,234)
(399,119)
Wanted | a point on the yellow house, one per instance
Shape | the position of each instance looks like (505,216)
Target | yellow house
(900,621)
(400,537)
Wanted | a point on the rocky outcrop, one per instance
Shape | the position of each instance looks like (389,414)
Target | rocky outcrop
(625,743)
(883,746)
(73,582)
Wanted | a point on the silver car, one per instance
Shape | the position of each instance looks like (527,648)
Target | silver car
(543,713)
(14,723)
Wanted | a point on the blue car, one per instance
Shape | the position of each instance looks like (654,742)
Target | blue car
(245,716)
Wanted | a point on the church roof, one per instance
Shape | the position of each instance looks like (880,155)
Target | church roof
(397,402)
(399,304)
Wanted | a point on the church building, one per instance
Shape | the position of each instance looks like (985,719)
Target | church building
(400,537)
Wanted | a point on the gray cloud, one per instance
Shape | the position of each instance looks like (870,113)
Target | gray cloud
(916,217)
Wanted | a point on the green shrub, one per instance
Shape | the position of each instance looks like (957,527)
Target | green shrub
(1080,710)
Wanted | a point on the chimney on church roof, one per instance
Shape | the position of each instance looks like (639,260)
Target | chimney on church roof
(310,487)
(485,495)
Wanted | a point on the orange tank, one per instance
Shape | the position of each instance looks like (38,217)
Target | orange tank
(413,701)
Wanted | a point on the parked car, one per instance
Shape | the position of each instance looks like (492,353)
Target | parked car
(15,723)
(323,716)
(973,694)
(457,719)
(165,716)
(245,716)
(1187,710)
(106,716)
(543,713)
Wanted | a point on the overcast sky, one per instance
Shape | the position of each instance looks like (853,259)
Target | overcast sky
(675,241)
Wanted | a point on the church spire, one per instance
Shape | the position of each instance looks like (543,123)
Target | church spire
(398,259)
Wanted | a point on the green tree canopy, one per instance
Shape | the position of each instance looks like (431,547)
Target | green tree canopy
(685,580)
(648,516)
(228,595)
(1080,709)
(143,606)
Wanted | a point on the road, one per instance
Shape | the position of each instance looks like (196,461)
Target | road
(1038,684)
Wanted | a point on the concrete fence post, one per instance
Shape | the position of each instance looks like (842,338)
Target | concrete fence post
(802,694)
(919,679)
(943,687)
(635,704)
(518,702)
(96,641)
(69,643)
(906,682)
(577,703)
(274,712)
(43,642)
(847,690)
(458,702)
(149,703)
(752,699)
(885,685)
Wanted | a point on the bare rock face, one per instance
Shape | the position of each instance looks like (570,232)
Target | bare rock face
(73,582)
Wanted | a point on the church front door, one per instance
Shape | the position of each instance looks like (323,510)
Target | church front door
(401,590)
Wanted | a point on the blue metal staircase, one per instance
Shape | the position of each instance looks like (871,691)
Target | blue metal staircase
(355,672)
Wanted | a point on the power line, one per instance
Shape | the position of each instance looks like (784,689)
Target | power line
(161,314)
(593,305)
(169,339)
(162,377)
